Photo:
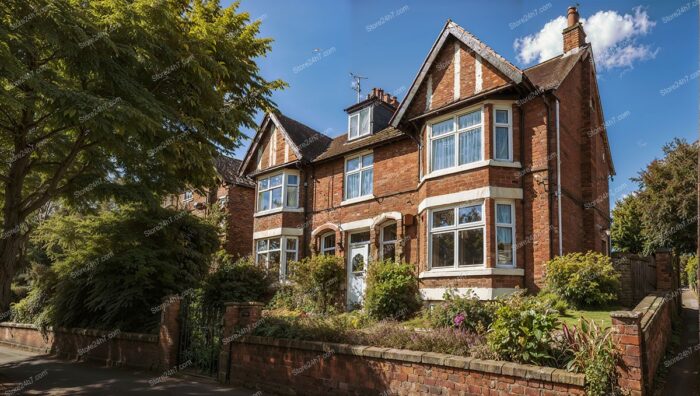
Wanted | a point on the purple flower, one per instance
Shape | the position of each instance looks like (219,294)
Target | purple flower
(459,319)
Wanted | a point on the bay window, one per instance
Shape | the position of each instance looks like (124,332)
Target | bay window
(456,141)
(273,253)
(359,124)
(388,242)
(457,236)
(277,191)
(503,134)
(505,234)
(328,244)
(359,176)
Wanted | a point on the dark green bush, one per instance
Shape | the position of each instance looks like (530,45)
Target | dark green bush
(553,301)
(583,280)
(317,283)
(392,291)
(522,330)
(239,281)
(464,312)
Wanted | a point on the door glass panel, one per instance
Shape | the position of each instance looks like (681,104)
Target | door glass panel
(358,263)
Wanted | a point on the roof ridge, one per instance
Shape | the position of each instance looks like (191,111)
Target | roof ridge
(486,46)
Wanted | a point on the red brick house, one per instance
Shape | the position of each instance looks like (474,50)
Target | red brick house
(483,172)
(234,194)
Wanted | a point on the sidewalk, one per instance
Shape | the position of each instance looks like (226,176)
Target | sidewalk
(27,373)
(683,378)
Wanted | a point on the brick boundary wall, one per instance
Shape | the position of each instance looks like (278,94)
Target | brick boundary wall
(112,348)
(642,337)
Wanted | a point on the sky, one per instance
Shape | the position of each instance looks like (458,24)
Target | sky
(646,56)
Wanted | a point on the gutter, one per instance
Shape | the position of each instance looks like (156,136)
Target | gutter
(561,250)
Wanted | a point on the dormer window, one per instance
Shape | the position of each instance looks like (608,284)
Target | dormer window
(359,124)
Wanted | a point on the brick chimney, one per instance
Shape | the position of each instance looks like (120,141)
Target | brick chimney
(574,36)
(383,96)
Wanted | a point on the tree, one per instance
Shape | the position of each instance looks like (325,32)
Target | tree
(123,99)
(112,269)
(668,198)
(627,227)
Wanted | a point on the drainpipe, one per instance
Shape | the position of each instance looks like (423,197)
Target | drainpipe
(561,250)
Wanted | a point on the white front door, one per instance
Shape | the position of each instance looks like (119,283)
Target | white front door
(357,267)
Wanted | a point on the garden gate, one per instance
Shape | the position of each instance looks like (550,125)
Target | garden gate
(201,328)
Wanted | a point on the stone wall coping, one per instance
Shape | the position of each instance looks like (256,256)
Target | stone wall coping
(625,314)
(87,332)
(244,304)
(526,371)
(649,307)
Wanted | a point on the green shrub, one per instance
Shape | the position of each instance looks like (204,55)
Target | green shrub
(583,279)
(591,351)
(392,291)
(522,330)
(317,283)
(691,272)
(553,301)
(239,281)
(464,312)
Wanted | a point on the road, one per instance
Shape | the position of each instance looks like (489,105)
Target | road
(27,373)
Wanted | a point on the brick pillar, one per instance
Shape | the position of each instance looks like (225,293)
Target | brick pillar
(169,332)
(664,270)
(628,337)
(239,319)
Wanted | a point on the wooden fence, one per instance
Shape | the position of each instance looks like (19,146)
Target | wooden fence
(638,277)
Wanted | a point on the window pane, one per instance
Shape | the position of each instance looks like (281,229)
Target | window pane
(293,196)
(443,250)
(262,259)
(274,244)
(353,164)
(504,241)
(291,256)
(470,214)
(442,128)
(263,184)
(264,200)
(367,160)
(388,251)
(443,155)
(354,125)
(470,146)
(390,233)
(443,218)
(291,244)
(329,242)
(364,121)
(276,197)
(273,259)
(502,143)
(471,247)
(359,237)
(262,245)
(367,180)
(353,186)
(502,116)
(471,119)
(503,214)
(276,181)
(293,179)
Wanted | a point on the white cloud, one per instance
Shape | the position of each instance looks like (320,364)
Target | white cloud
(613,37)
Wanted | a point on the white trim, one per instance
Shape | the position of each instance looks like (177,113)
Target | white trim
(478,75)
(509,125)
(484,293)
(360,170)
(272,155)
(429,93)
(382,217)
(476,271)
(284,186)
(278,232)
(277,210)
(455,133)
(454,229)
(357,224)
(456,67)
(286,151)
(471,195)
(184,196)
(356,200)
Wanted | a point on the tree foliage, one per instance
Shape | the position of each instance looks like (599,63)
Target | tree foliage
(668,198)
(112,269)
(122,99)
(627,227)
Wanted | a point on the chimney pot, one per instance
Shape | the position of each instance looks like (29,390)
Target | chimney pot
(386,97)
(574,36)
(572,16)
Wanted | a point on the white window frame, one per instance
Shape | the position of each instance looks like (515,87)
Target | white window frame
(509,125)
(455,229)
(360,170)
(282,250)
(382,242)
(456,132)
(360,133)
(512,229)
(285,192)
(191,196)
(324,248)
